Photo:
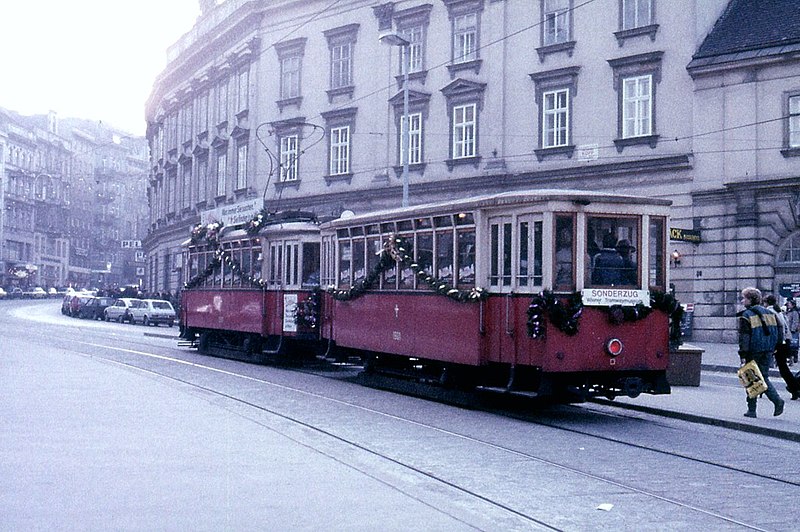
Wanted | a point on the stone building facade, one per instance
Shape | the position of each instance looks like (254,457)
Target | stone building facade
(300,105)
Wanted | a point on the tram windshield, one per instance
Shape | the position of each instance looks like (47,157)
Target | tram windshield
(612,245)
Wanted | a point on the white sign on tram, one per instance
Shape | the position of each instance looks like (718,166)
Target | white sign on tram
(606,297)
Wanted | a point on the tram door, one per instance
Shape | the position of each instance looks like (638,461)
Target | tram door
(502,312)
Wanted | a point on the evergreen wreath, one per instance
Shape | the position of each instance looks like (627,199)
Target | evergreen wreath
(306,312)
(565,316)
(395,252)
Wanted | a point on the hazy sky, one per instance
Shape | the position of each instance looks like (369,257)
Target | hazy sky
(94,59)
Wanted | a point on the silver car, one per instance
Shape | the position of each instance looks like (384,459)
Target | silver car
(120,310)
(153,312)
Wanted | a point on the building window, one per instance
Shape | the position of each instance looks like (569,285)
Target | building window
(243,91)
(341,43)
(290,77)
(555,118)
(340,150)
(791,141)
(636,13)
(555,21)
(637,106)
(290,57)
(635,80)
(221,102)
(465,38)
(288,156)
(340,125)
(464,101)
(414,138)
(414,36)
(464,131)
(790,252)
(222,167)
(241,167)
(341,65)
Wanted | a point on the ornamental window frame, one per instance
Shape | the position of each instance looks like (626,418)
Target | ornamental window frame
(221,171)
(558,15)
(465,35)
(555,81)
(461,96)
(632,68)
(637,106)
(556,112)
(341,49)
(791,126)
(339,130)
(290,62)
(289,138)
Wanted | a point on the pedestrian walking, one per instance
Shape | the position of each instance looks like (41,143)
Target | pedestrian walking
(793,321)
(759,334)
(782,349)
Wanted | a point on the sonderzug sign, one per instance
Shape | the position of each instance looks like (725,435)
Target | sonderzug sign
(606,297)
(684,235)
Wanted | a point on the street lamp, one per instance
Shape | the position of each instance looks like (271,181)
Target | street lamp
(395,39)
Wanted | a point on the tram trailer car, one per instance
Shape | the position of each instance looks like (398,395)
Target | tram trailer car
(562,314)
(237,305)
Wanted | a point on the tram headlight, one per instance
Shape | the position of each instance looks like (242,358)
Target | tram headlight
(614,347)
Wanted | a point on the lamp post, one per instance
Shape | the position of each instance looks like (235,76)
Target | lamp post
(395,39)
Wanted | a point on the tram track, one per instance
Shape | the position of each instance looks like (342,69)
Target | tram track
(142,349)
(93,346)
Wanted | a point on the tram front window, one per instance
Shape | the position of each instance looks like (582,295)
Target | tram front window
(611,250)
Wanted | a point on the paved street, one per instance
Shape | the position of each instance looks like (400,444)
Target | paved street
(111,426)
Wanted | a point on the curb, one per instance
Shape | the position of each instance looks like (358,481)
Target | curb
(694,418)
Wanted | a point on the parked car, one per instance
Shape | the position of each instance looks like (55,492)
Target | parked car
(120,310)
(35,293)
(15,293)
(52,292)
(153,311)
(75,304)
(94,308)
(3,293)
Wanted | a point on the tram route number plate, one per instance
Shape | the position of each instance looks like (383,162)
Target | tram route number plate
(396,336)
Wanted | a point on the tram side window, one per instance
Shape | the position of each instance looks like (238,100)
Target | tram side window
(529,271)
(246,263)
(444,256)
(466,259)
(374,248)
(359,262)
(611,244)
(564,273)
(310,264)
(657,277)
(345,257)
(425,254)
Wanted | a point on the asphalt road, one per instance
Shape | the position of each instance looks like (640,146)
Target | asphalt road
(108,426)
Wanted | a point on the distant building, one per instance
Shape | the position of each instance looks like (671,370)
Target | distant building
(300,104)
(72,192)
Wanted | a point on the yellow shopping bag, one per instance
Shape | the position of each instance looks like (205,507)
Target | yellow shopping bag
(752,379)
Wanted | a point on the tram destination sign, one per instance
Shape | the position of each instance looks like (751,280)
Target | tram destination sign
(684,235)
(606,297)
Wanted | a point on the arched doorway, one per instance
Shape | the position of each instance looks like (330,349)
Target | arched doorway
(787,267)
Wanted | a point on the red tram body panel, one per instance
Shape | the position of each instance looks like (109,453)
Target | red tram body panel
(411,325)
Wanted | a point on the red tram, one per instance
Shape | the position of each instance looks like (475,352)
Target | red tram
(545,292)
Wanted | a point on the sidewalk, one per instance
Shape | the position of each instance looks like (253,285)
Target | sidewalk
(720,398)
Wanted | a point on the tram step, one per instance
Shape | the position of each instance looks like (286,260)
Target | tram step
(186,343)
(506,391)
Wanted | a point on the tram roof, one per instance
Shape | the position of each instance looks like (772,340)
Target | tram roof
(581,197)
